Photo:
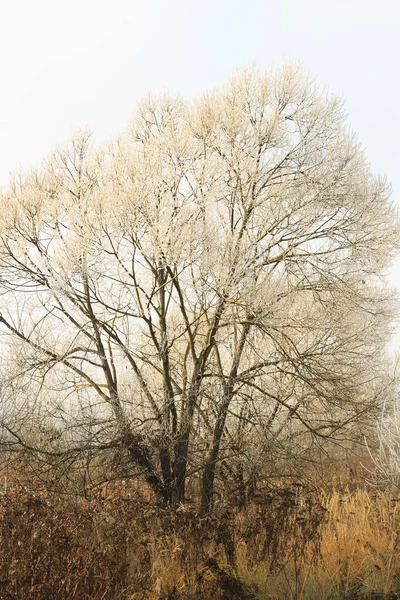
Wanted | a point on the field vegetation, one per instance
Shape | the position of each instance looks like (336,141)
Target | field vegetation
(290,542)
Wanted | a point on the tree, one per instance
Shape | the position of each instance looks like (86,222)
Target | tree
(384,451)
(208,282)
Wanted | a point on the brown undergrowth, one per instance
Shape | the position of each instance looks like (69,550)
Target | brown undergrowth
(287,544)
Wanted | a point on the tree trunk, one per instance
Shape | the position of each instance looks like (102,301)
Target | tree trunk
(165,463)
(207,489)
(139,454)
(180,466)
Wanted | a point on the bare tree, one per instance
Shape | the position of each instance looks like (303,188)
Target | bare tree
(384,447)
(207,283)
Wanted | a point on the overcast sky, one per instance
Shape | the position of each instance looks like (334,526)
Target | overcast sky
(68,64)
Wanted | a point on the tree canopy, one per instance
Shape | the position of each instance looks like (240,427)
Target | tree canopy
(202,288)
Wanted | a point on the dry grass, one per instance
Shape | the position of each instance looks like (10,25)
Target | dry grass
(354,554)
(289,545)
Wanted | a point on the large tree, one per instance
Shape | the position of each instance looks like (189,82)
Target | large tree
(205,284)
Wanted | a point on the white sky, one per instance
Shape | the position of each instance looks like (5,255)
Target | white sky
(73,63)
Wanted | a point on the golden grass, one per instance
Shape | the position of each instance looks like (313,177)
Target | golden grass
(355,554)
(288,545)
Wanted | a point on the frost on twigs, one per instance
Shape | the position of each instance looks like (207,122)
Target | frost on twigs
(203,296)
